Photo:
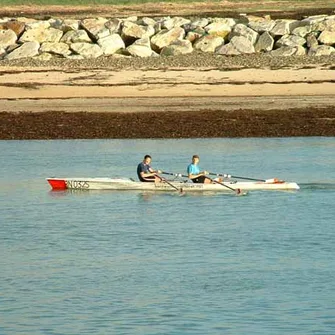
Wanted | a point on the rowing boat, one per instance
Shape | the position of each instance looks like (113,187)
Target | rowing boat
(130,184)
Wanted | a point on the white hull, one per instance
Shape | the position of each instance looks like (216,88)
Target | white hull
(129,184)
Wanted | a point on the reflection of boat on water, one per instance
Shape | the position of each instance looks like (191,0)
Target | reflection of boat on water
(123,184)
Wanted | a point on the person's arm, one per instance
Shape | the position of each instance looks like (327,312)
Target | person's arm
(154,171)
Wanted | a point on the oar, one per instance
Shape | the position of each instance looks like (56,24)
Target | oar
(237,191)
(166,181)
(237,177)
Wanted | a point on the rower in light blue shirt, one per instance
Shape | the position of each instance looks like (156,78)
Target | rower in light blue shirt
(194,173)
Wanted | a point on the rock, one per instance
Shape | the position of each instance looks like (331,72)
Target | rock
(41,35)
(290,41)
(94,26)
(237,46)
(39,25)
(132,31)
(174,22)
(111,44)
(178,47)
(193,36)
(218,29)
(166,37)
(146,21)
(281,28)
(313,20)
(242,30)
(302,31)
(264,43)
(327,37)
(28,49)
(86,50)
(76,36)
(201,22)
(44,56)
(7,38)
(328,25)
(75,57)
(16,26)
(70,24)
(133,19)
(321,50)
(208,43)
(141,48)
(289,51)
(262,25)
(114,26)
(312,41)
(60,48)
(2,53)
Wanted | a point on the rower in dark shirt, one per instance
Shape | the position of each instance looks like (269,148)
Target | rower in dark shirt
(145,172)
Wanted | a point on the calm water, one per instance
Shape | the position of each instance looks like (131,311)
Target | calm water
(144,263)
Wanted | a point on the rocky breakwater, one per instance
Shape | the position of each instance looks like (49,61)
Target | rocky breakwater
(164,36)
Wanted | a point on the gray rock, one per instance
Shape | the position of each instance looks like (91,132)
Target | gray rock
(94,26)
(193,36)
(281,28)
(146,21)
(201,22)
(302,31)
(321,50)
(76,36)
(174,22)
(242,30)
(208,43)
(114,26)
(2,53)
(328,25)
(7,38)
(111,44)
(237,46)
(56,48)
(36,25)
(262,25)
(44,57)
(290,41)
(312,41)
(287,51)
(264,43)
(132,31)
(327,37)
(221,29)
(166,37)
(41,35)
(178,47)
(26,50)
(86,50)
(141,48)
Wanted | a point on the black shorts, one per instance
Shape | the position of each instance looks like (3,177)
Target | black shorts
(199,180)
(149,180)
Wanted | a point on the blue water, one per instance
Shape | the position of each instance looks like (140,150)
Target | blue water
(145,263)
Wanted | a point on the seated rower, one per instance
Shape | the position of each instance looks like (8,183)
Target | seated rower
(145,172)
(194,173)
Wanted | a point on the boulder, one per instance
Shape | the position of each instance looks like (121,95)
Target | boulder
(242,30)
(166,37)
(41,35)
(208,43)
(321,50)
(75,57)
(289,51)
(114,26)
(94,26)
(221,29)
(302,31)
(7,38)
(34,24)
(28,49)
(132,31)
(193,36)
(44,57)
(177,47)
(2,53)
(237,46)
(260,26)
(57,48)
(328,25)
(201,22)
(281,28)
(86,50)
(290,41)
(141,48)
(327,37)
(111,44)
(264,43)
(174,22)
(76,36)
(16,26)
(312,41)
(146,21)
